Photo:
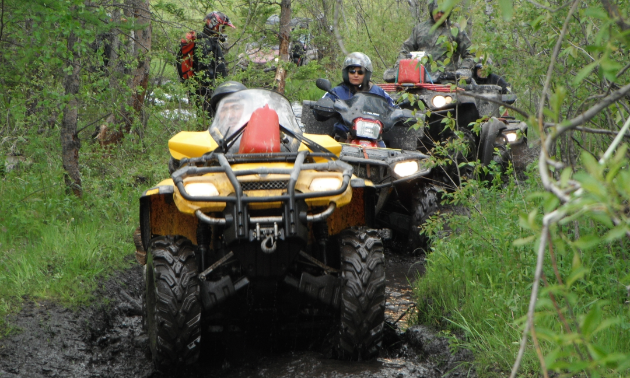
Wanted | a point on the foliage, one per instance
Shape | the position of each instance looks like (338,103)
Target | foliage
(478,279)
(564,59)
(54,246)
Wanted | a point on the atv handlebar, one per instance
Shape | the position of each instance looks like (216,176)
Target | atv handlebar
(326,108)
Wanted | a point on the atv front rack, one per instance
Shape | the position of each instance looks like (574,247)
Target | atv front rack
(236,216)
(385,159)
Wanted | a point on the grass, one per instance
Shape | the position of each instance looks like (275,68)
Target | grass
(478,283)
(54,246)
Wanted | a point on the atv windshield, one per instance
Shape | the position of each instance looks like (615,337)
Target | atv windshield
(235,110)
(367,105)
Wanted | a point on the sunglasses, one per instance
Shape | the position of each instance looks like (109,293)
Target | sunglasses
(356,71)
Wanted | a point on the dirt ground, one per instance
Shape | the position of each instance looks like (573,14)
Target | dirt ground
(107,340)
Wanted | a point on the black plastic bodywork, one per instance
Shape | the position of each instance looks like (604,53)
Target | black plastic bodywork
(399,129)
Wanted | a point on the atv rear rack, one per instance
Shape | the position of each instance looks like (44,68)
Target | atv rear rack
(446,88)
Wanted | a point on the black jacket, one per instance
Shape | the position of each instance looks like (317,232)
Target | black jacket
(209,60)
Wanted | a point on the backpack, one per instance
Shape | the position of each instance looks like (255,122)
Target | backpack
(185,58)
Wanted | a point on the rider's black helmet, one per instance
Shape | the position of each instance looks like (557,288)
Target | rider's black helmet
(357,59)
(215,21)
(223,90)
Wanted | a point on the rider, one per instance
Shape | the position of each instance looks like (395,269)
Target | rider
(356,73)
(423,39)
(211,63)
(482,75)
(224,89)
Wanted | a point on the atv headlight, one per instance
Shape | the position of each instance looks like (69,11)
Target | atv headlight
(367,128)
(201,189)
(511,137)
(322,184)
(439,101)
(406,168)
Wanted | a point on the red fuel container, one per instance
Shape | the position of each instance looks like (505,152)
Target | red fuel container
(262,133)
(410,71)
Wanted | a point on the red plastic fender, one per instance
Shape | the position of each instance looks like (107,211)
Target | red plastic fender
(262,134)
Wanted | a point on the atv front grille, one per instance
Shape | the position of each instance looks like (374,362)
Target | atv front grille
(264,185)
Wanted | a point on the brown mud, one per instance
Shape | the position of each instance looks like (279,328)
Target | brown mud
(107,340)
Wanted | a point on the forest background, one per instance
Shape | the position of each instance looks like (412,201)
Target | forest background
(533,277)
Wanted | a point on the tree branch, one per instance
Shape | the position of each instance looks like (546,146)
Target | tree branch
(336,28)
(369,36)
(549,218)
(613,12)
(594,110)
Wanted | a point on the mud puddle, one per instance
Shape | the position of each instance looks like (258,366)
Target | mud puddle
(107,340)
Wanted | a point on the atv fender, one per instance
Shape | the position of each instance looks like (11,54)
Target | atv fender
(189,144)
(159,215)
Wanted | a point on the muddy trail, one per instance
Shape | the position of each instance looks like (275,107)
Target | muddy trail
(107,340)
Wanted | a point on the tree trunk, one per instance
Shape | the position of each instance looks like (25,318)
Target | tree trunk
(70,143)
(142,47)
(285,36)
(119,73)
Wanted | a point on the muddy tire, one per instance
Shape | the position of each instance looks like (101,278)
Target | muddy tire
(424,204)
(489,132)
(173,308)
(363,294)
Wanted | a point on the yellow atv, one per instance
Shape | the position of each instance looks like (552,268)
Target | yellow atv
(255,215)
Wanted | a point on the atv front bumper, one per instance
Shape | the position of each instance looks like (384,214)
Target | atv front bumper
(384,167)
(294,197)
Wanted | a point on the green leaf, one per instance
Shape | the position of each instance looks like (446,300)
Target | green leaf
(507,9)
(592,165)
(600,217)
(591,320)
(566,175)
(596,352)
(587,242)
(610,68)
(584,72)
(616,233)
(592,185)
(463,22)
(597,13)
(606,323)
(536,23)
(557,99)
(622,183)
(552,356)
(577,272)
(550,204)
(524,241)
(454,31)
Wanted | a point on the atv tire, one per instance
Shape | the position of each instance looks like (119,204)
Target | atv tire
(489,133)
(172,304)
(424,204)
(362,295)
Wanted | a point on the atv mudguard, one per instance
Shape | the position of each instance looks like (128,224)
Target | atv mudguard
(159,215)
